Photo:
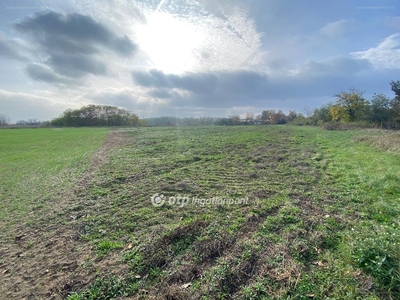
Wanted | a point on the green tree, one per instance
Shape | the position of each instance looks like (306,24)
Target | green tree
(379,112)
(266,115)
(337,113)
(278,118)
(97,115)
(321,115)
(292,115)
(354,105)
(395,103)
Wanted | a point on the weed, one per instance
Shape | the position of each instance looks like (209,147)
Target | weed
(106,246)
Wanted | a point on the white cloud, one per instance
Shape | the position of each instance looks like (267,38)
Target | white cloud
(335,29)
(183,36)
(385,55)
(30,106)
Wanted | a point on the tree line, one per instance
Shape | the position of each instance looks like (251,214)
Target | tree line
(349,107)
(176,121)
(97,115)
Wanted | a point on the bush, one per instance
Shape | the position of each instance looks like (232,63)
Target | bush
(346,126)
(333,126)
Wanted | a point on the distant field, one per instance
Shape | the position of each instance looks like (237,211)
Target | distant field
(271,212)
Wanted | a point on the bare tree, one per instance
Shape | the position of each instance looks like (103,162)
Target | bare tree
(249,116)
(235,120)
(4,120)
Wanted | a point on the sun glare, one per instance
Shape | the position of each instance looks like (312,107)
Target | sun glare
(170,42)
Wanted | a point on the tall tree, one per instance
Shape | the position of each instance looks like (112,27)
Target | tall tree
(4,120)
(292,115)
(395,103)
(321,115)
(379,112)
(235,120)
(337,113)
(249,116)
(353,104)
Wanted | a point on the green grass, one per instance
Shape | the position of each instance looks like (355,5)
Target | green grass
(37,166)
(314,197)
(321,220)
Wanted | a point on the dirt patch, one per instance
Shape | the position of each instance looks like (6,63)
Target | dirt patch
(48,260)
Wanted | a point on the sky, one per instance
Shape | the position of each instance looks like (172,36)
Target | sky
(193,58)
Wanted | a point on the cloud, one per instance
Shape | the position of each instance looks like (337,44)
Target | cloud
(73,28)
(161,94)
(194,57)
(335,29)
(115,97)
(385,55)
(73,43)
(9,49)
(130,99)
(24,106)
(227,89)
(201,83)
(198,36)
(76,65)
(334,67)
(44,73)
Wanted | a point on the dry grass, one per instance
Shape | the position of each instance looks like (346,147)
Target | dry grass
(387,141)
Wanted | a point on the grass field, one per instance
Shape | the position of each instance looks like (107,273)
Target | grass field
(308,213)
(36,164)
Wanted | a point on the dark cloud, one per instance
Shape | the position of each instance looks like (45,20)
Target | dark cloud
(245,84)
(196,83)
(338,66)
(161,94)
(76,28)
(212,89)
(249,88)
(58,44)
(73,43)
(44,73)
(9,49)
(77,65)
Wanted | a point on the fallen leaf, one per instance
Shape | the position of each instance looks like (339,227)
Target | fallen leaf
(319,251)
(129,246)
(311,295)
(6,271)
(137,276)
(186,285)
(322,263)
